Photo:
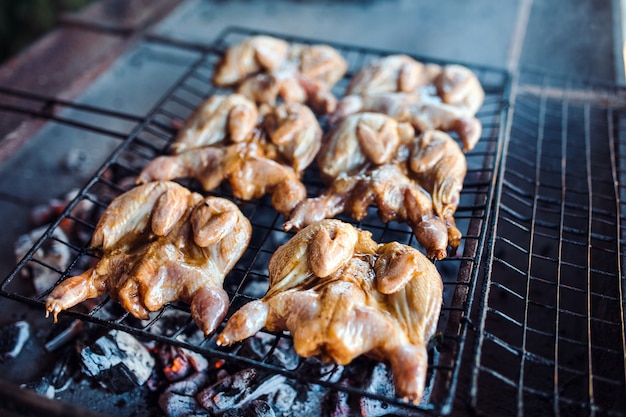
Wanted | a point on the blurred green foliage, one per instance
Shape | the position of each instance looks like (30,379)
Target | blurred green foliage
(23,21)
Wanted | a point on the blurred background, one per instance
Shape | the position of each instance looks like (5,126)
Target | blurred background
(23,21)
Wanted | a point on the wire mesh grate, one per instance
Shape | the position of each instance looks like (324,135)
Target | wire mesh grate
(248,280)
(551,333)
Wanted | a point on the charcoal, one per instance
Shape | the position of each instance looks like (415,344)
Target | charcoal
(118,361)
(381,382)
(65,369)
(316,369)
(229,392)
(42,387)
(179,399)
(258,346)
(260,408)
(239,389)
(180,362)
(52,252)
(338,403)
(13,337)
(170,322)
(284,355)
(256,408)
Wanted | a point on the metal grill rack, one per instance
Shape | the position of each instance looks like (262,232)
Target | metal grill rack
(153,135)
(550,324)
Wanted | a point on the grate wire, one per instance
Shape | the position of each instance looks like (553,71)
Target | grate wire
(550,334)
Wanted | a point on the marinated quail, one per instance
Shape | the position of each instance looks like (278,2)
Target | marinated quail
(454,84)
(161,243)
(244,165)
(360,141)
(439,166)
(422,110)
(269,161)
(253,55)
(265,68)
(295,131)
(397,197)
(341,295)
(216,119)
(392,74)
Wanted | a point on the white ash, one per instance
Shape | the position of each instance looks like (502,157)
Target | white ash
(118,361)
(13,337)
(42,387)
(238,390)
(381,382)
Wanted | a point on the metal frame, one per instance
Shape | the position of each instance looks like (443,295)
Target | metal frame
(152,137)
(550,334)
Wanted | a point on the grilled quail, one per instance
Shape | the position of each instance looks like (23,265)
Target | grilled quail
(268,161)
(388,187)
(439,166)
(216,119)
(362,140)
(424,111)
(340,295)
(392,74)
(428,96)
(265,68)
(161,243)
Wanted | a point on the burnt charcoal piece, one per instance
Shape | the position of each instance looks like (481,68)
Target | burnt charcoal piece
(53,254)
(238,390)
(256,408)
(179,363)
(179,399)
(117,361)
(13,337)
(381,382)
(338,404)
(42,387)
(259,346)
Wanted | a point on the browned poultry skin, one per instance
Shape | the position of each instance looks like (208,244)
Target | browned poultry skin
(456,85)
(359,141)
(295,131)
(379,300)
(216,119)
(422,110)
(426,95)
(268,161)
(392,74)
(162,243)
(296,73)
(254,54)
(244,165)
(397,197)
(319,63)
(439,165)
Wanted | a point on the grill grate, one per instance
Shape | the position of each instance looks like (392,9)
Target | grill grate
(551,321)
(153,135)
